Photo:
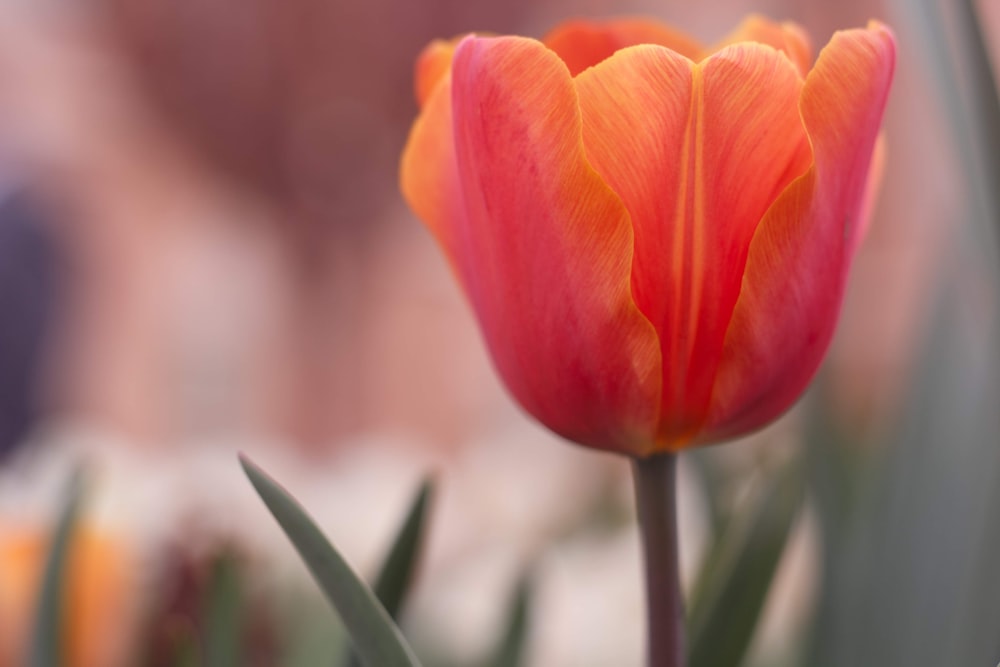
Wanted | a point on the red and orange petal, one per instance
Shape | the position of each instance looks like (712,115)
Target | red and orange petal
(697,153)
(798,261)
(541,245)
(428,172)
(786,37)
(433,65)
(582,44)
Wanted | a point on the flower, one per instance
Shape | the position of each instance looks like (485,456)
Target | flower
(654,236)
(97,597)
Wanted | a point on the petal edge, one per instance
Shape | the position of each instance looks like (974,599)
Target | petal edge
(797,268)
(545,250)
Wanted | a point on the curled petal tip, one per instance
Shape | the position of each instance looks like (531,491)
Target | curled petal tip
(787,37)
(433,65)
(875,24)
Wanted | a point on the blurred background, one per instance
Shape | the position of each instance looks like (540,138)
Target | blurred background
(203,251)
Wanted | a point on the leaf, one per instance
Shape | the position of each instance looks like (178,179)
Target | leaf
(224,615)
(46,641)
(510,650)
(397,572)
(186,651)
(711,478)
(737,575)
(312,633)
(377,640)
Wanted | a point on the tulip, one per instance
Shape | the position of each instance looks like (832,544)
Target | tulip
(654,236)
(97,597)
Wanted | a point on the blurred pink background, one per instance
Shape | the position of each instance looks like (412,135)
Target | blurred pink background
(238,270)
(222,182)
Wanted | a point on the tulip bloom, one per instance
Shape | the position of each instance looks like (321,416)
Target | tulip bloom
(98,595)
(654,236)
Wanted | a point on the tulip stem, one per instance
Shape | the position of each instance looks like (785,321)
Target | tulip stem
(656,503)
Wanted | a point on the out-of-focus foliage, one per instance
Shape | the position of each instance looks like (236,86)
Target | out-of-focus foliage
(736,576)
(911,531)
(47,646)
(375,637)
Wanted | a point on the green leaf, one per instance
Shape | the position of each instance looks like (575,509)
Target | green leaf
(312,632)
(733,584)
(186,651)
(223,635)
(510,650)
(397,572)
(712,479)
(377,640)
(46,644)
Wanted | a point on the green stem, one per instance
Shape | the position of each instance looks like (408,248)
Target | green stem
(656,503)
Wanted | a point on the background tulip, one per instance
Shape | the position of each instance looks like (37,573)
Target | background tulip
(656,248)
(98,596)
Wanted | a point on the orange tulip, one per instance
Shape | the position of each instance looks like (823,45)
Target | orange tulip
(97,598)
(654,236)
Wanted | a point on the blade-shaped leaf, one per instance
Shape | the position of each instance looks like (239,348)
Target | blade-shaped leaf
(376,638)
(223,633)
(313,632)
(510,650)
(737,576)
(397,572)
(46,644)
(711,477)
(186,651)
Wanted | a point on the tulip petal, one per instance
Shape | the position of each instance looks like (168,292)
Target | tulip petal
(428,172)
(797,267)
(697,153)
(786,36)
(582,44)
(542,247)
(433,65)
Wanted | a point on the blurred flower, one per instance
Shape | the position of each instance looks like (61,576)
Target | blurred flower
(96,595)
(654,238)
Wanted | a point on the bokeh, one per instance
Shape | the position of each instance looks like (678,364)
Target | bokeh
(203,251)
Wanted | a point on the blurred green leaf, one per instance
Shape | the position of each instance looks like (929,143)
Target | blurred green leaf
(984,101)
(950,39)
(312,633)
(223,633)
(397,572)
(376,638)
(711,479)
(510,649)
(734,582)
(186,651)
(911,580)
(46,644)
